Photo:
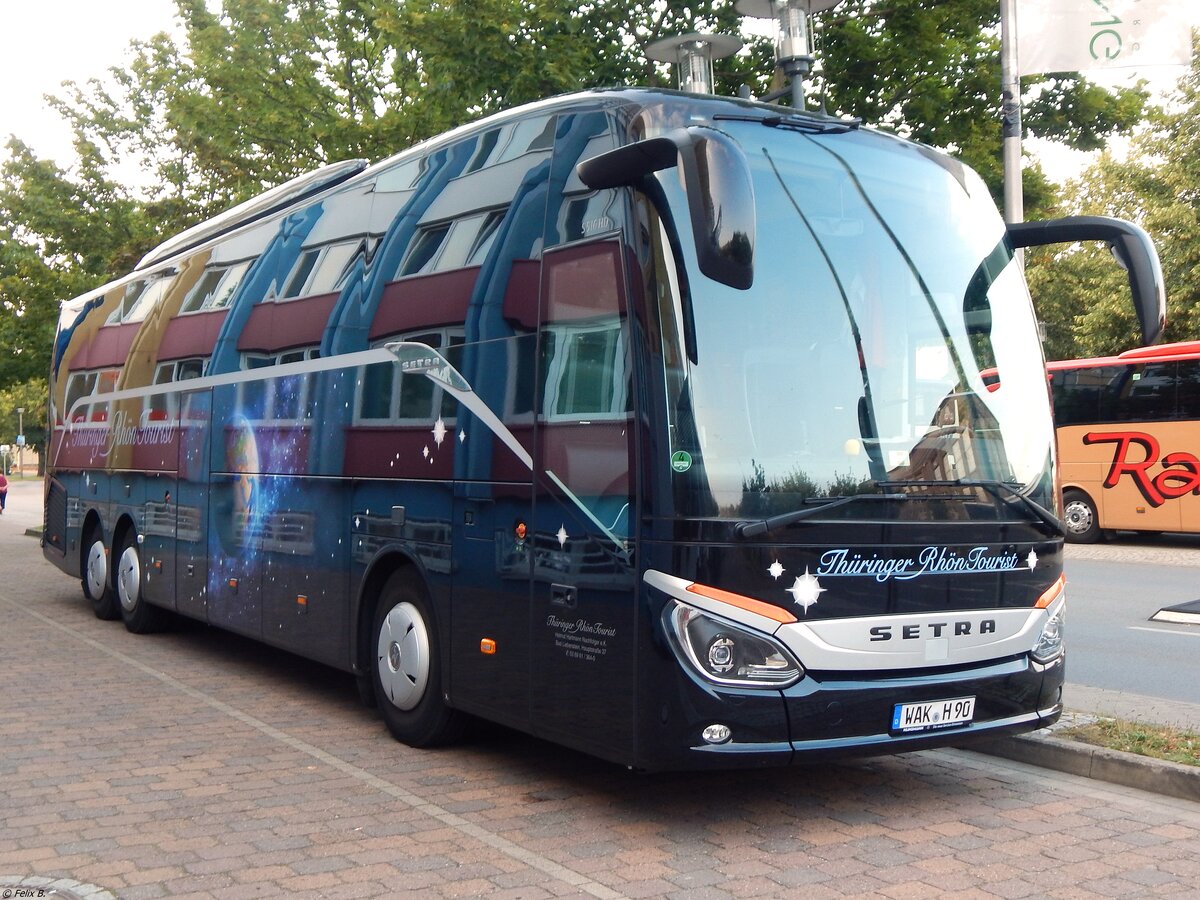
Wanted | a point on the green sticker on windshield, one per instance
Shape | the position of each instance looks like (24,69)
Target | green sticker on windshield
(681,460)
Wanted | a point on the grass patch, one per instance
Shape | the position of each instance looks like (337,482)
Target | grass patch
(1157,741)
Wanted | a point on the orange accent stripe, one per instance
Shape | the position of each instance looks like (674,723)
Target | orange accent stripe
(1051,593)
(747,603)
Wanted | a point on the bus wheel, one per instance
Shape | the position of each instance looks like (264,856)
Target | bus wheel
(140,616)
(1079,515)
(95,578)
(407,669)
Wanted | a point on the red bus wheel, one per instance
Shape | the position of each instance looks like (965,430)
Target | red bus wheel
(1080,518)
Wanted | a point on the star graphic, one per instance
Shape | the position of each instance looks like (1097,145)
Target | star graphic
(805,590)
(775,570)
(357,522)
(1031,560)
(439,431)
(462,435)
(562,536)
(425,452)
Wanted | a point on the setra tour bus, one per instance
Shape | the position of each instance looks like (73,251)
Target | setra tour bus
(646,422)
(1128,436)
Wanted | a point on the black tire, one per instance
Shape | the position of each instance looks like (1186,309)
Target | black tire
(97,586)
(1080,518)
(129,583)
(406,669)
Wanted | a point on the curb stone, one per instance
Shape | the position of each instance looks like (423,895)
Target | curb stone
(1158,776)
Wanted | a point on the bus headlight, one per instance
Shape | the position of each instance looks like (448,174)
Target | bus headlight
(1049,646)
(729,654)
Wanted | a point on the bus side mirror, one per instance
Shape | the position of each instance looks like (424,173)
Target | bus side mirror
(1130,244)
(719,192)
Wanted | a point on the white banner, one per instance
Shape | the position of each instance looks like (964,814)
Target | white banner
(1085,35)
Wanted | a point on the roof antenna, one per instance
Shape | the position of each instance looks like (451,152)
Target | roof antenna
(693,55)
(793,44)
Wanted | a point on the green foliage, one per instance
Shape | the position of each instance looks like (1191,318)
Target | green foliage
(59,236)
(931,71)
(31,396)
(1081,294)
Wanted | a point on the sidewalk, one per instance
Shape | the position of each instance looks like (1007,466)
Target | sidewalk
(24,507)
(1081,699)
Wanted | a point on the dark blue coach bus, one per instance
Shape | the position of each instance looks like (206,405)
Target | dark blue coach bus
(649,423)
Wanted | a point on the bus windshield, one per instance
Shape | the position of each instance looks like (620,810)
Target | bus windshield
(883,286)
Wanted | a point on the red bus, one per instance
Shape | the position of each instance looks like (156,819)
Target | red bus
(1128,437)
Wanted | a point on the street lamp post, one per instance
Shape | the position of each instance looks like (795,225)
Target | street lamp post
(20,442)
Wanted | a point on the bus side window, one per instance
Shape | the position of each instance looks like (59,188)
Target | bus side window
(1145,393)
(1188,389)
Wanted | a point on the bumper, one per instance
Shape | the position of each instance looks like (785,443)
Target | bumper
(838,717)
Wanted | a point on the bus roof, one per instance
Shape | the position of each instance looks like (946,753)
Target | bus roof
(1157,353)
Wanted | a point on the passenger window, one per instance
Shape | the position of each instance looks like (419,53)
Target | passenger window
(299,277)
(423,251)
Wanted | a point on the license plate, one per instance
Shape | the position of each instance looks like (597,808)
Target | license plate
(908,717)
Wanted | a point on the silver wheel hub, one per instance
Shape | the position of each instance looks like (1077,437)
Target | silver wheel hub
(402,656)
(1078,517)
(96,570)
(129,579)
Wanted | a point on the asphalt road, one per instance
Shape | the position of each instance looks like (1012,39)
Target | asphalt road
(1113,590)
(196,763)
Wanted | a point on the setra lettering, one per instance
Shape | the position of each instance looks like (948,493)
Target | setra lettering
(915,632)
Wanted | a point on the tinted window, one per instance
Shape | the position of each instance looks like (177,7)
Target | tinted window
(1139,393)
(1077,395)
(1188,389)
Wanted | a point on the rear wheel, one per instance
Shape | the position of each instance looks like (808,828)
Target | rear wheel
(140,616)
(1080,518)
(406,667)
(95,577)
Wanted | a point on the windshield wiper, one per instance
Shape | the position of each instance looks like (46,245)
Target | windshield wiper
(1001,490)
(753,529)
(797,123)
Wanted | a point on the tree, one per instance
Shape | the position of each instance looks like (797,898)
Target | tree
(262,90)
(59,236)
(1080,293)
(932,71)
(31,396)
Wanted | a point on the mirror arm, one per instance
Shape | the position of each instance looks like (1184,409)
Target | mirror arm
(1131,245)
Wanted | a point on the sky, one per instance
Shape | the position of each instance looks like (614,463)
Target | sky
(46,42)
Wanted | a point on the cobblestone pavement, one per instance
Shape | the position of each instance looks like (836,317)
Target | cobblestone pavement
(1162,550)
(195,763)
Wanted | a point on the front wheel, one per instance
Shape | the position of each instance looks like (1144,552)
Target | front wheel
(140,616)
(1080,518)
(95,578)
(406,667)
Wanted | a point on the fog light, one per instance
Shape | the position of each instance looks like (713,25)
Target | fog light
(717,734)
